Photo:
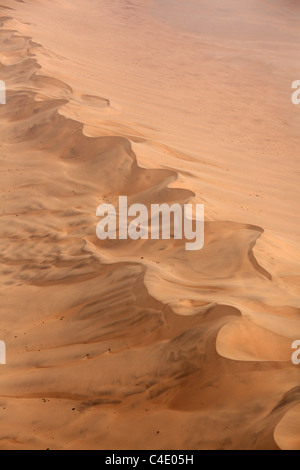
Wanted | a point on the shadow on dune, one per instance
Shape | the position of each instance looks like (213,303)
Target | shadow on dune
(92,333)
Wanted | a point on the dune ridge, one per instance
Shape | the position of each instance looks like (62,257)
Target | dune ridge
(111,344)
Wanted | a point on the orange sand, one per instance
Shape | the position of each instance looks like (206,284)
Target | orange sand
(110,342)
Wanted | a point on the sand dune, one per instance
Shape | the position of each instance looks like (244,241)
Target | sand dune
(141,344)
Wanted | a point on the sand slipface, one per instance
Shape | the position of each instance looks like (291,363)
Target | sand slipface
(141,344)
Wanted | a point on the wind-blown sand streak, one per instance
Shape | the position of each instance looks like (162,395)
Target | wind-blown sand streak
(125,344)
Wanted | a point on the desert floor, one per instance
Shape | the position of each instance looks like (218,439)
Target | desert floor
(142,344)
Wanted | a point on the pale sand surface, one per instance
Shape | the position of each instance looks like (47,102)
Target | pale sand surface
(143,344)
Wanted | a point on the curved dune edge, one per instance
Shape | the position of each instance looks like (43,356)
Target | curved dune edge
(287,432)
(154,364)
